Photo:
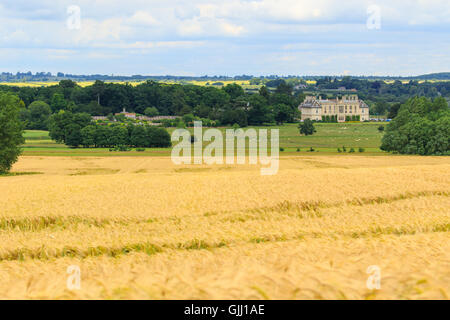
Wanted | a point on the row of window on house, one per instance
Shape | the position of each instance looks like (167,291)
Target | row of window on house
(348,109)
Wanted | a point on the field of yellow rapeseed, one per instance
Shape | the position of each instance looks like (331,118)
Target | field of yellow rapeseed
(143,228)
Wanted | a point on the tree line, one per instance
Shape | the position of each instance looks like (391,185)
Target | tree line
(77,129)
(276,102)
(226,106)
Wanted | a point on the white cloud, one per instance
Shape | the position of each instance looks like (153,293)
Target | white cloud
(231,29)
(60,54)
(289,31)
(16,36)
(191,27)
(209,27)
(143,18)
(93,31)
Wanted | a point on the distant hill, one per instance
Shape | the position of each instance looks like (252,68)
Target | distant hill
(434,76)
(49,77)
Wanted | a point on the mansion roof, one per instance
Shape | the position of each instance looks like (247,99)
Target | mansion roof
(313,102)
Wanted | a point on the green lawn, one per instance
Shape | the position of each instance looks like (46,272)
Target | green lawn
(330,136)
(36,135)
(327,139)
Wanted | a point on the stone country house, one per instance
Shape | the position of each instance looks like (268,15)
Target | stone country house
(314,108)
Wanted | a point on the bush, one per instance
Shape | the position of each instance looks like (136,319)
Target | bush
(339,150)
(282,149)
(168,123)
(122,148)
(361,150)
(352,150)
(311,149)
(344,149)
(140,149)
(298,149)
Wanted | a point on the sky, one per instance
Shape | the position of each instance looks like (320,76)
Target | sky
(226,37)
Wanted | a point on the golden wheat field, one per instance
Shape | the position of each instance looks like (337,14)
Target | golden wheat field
(143,228)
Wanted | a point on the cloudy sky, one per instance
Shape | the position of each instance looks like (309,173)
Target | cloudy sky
(226,37)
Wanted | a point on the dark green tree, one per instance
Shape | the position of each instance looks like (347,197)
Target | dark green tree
(11,130)
(189,119)
(230,117)
(284,88)
(37,115)
(88,136)
(307,127)
(234,90)
(421,127)
(73,137)
(118,136)
(63,123)
(283,113)
(264,92)
(394,110)
(158,138)
(58,102)
(138,137)
(102,136)
(151,112)
(259,111)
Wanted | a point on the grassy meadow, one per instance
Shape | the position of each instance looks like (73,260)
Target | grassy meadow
(143,228)
(329,137)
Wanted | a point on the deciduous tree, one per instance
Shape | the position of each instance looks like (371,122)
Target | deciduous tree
(307,127)
(11,130)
